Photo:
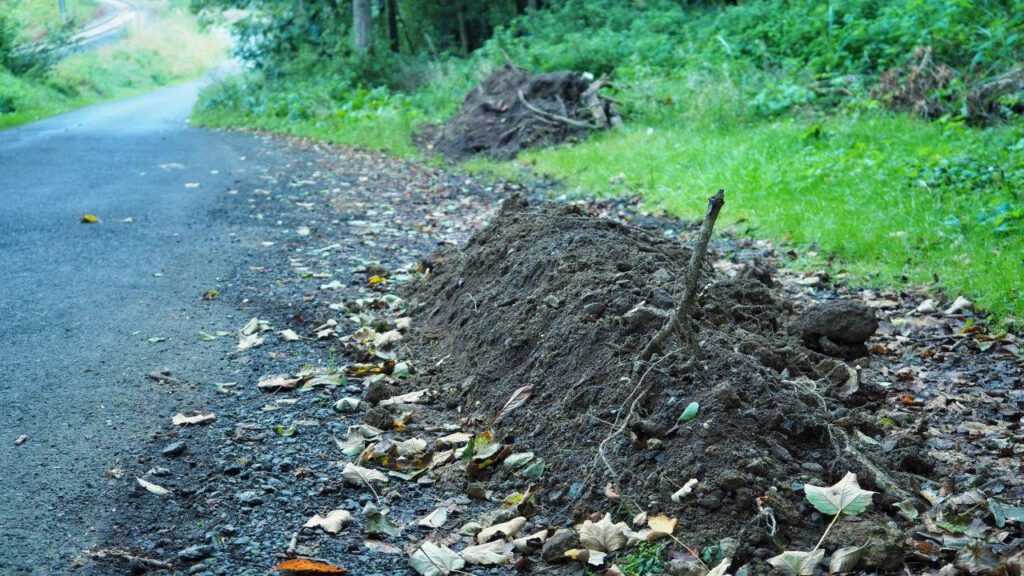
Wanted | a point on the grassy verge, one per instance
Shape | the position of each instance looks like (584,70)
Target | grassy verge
(882,198)
(164,48)
(36,18)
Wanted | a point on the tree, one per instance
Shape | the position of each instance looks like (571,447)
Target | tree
(362,26)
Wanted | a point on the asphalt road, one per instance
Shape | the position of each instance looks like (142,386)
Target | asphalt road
(79,304)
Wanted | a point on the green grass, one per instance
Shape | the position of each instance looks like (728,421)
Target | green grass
(853,187)
(882,199)
(166,48)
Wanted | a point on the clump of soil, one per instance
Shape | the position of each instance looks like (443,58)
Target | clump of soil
(838,328)
(556,299)
(513,109)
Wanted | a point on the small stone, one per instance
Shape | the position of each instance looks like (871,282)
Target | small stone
(21,440)
(197,569)
(197,552)
(553,301)
(726,394)
(594,309)
(681,567)
(731,480)
(555,547)
(174,448)
(249,498)
(643,319)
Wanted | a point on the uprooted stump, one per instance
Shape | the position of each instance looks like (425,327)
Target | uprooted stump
(513,109)
(552,298)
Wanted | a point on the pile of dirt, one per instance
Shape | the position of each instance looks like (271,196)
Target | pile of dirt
(560,301)
(513,109)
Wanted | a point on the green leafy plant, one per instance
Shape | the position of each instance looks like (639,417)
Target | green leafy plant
(844,498)
(648,558)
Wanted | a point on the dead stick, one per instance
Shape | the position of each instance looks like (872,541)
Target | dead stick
(679,321)
(556,117)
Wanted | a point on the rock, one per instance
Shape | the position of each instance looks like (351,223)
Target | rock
(594,309)
(731,480)
(249,498)
(377,391)
(555,546)
(726,394)
(643,319)
(379,417)
(681,567)
(197,552)
(174,448)
(884,551)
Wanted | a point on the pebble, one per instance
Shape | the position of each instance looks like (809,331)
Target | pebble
(174,448)
(249,498)
(197,552)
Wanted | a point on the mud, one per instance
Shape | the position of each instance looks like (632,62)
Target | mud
(562,301)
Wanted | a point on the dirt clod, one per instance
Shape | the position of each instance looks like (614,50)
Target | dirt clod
(838,328)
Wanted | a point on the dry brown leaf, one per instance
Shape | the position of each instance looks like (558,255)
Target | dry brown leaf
(603,535)
(332,523)
(662,525)
(496,552)
(504,530)
(278,383)
(154,488)
(519,397)
(410,398)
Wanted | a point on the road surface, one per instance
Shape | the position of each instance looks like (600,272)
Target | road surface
(79,304)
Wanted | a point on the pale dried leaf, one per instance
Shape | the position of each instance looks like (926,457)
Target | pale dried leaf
(357,475)
(603,535)
(518,398)
(504,530)
(289,335)
(154,488)
(411,447)
(531,543)
(433,560)
(490,553)
(410,398)
(198,418)
(798,563)
(587,556)
(278,383)
(251,327)
(845,559)
(721,568)
(662,525)
(249,341)
(435,519)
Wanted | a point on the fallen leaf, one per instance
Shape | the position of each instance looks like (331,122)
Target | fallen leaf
(197,418)
(435,560)
(210,294)
(500,531)
(249,341)
(332,523)
(383,339)
(587,556)
(206,337)
(306,567)
(453,439)
(154,488)
(410,398)
(685,491)
(377,521)
(251,327)
(382,547)
(282,430)
(21,440)
(278,383)
(721,568)
(958,306)
(845,559)
(603,535)
(435,519)
(531,543)
(358,475)
(519,397)
(89,219)
(411,447)
(845,496)
(289,335)
(662,524)
(610,493)
(798,563)
(496,552)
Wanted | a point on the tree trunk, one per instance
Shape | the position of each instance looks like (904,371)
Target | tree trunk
(463,32)
(392,13)
(362,25)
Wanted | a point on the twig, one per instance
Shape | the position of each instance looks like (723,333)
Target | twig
(555,117)
(679,322)
(122,555)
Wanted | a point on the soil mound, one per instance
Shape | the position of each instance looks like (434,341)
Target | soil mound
(552,298)
(513,109)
